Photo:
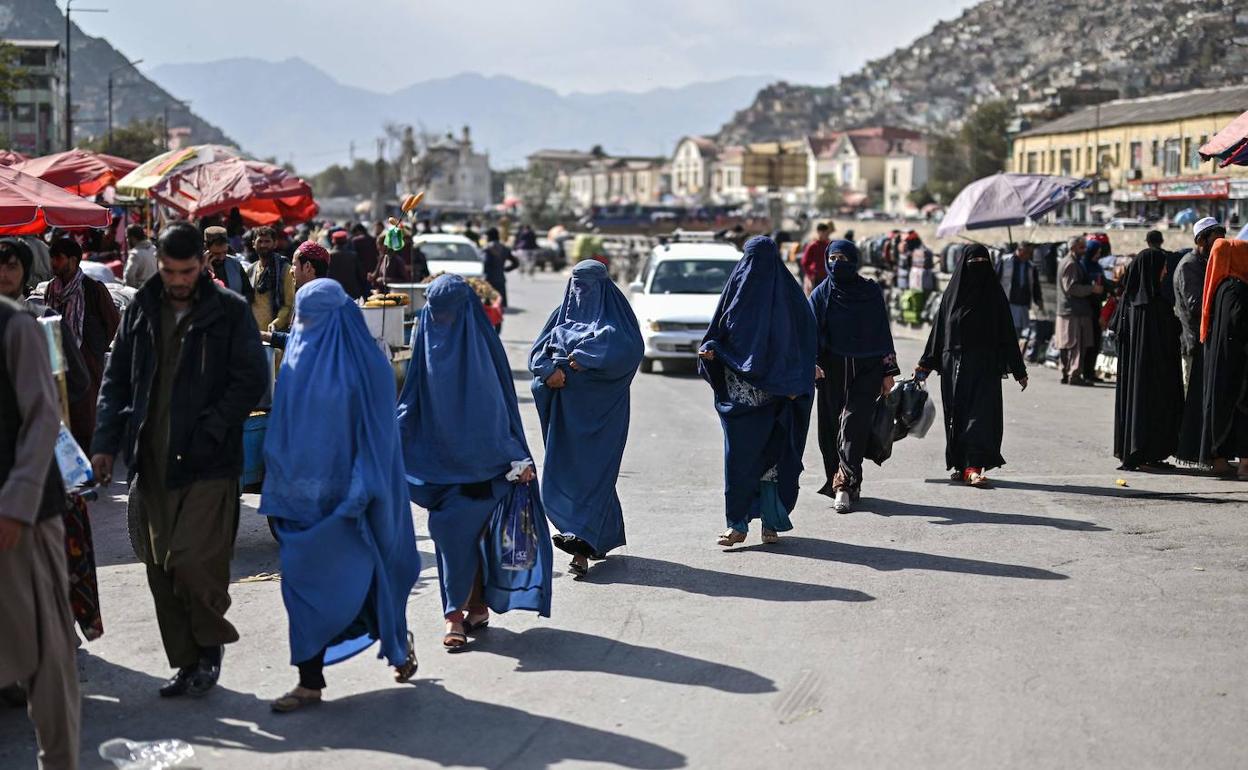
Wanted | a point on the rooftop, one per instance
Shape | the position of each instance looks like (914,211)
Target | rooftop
(20,43)
(1149,109)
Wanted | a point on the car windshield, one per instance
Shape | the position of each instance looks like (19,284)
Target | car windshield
(690,276)
(448,252)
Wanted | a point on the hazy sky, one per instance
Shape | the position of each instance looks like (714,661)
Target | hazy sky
(569,45)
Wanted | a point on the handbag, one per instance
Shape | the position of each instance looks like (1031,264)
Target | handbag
(512,532)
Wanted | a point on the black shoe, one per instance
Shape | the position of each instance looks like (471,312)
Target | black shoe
(204,676)
(179,684)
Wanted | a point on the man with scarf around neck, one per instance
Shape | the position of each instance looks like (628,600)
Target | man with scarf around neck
(273,302)
(88,307)
(856,364)
(758,356)
(1073,333)
(973,344)
(185,372)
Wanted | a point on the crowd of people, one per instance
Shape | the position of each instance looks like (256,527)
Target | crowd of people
(166,387)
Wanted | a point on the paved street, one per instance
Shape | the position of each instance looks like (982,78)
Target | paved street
(1055,621)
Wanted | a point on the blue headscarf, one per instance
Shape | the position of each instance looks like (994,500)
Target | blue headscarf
(850,310)
(595,322)
(763,328)
(334,485)
(458,415)
(585,423)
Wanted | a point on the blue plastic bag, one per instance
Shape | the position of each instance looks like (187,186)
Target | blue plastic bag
(516,553)
(513,533)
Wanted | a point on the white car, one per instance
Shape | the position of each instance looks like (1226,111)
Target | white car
(675,295)
(447,253)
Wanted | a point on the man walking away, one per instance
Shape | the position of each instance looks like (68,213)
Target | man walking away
(345,266)
(37,643)
(814,259)
(365,248)
(226,267)
(1189,298)
(498,262)
(1073,333)
(93,319)
(141,264)
(186,371)
(1020,280)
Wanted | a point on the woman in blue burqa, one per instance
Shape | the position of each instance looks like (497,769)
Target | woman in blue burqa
(583,364)
(464,448)
(335,495)
(759,357)
(857,363)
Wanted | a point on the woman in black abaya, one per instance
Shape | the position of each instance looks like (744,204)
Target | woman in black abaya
(973,345)
(1149,393)
(1224,332)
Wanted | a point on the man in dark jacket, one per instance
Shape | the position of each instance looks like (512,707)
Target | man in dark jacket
(345,266)
(186,370)
(498,262)
(365,248)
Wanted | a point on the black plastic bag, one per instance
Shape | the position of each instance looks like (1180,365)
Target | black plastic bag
(883,422)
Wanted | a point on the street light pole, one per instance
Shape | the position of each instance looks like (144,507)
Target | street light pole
(69,106)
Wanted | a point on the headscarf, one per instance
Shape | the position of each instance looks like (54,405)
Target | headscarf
(67,298)
(763,328)
(1143,280)
(1228,259)
(974,312)
(458,414)
(335,475)
(595,321)
(850,311)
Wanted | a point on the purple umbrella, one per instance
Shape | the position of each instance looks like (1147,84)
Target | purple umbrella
(1002,200)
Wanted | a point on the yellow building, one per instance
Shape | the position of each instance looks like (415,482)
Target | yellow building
(1144,154)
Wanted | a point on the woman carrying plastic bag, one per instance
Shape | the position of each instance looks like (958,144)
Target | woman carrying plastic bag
(465,455)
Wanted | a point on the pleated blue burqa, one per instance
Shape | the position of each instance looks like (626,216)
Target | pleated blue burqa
(334,488)
(585,422)
(460,428)
(763,338)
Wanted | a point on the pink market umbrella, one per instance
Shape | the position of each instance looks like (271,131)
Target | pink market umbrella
(28,206)
(9,157)
(81,172)
(1004,200)
(263,193)
(1230,145)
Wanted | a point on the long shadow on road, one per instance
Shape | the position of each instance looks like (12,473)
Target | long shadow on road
(642,571)
(1195,496)
(554,649)
(964,516)
(423,721)
(890,559)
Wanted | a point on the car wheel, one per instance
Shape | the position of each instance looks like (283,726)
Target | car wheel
(647,366)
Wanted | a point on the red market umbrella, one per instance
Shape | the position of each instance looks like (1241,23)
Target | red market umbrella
(9,157)
(1230,145)
(263,193)
(28,206)
(81,172)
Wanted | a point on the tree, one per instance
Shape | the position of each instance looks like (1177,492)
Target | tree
(830,198)
(139,141)
(985,138)
(949,173)
(538,188)
(12,77)
(359,179)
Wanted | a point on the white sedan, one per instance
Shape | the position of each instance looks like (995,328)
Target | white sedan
(675,295)
(447,253)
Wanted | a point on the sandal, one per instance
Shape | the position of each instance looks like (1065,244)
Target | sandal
(293,701)
(453,641)
(577,570)
(976,478)
(471,626)
(405,672)
(731,537)
(769,536)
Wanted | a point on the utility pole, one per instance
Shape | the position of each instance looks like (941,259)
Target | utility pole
(110,99)
(69,106)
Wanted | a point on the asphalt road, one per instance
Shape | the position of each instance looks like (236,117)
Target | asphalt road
(1058,620)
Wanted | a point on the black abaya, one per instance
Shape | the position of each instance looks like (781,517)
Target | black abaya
(1149,390)
(1224,431)
(1188,450)
(847,395)
(973,344)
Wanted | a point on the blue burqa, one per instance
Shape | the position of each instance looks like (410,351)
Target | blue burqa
(585,423)
(763,375)
(459,423)
(334,487)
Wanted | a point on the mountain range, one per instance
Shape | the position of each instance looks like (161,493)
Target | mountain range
(1016,50)
(296,112)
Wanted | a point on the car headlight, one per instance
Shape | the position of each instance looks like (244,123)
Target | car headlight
(655,326)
